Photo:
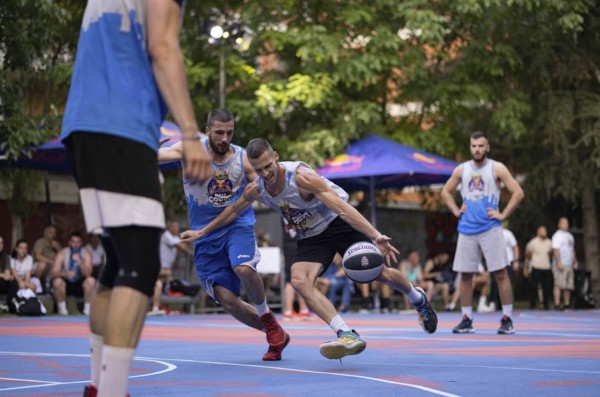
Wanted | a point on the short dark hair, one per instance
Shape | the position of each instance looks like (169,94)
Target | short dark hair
(76,233)
(219,114)
(479,134)
(256,147)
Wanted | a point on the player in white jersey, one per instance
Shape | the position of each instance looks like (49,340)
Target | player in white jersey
(326,224)
(480,227)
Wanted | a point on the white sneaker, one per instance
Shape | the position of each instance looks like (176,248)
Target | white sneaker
(63,313)
(483,308)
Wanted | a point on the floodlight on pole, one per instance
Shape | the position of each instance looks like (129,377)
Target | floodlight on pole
(216,32)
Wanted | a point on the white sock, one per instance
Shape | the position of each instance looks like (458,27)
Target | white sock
(116,362)
(481,300)
(155,308)
(415,297)
(263,308)
(507,310)
(62,307)
(96,345)
(337,324)
(468,311)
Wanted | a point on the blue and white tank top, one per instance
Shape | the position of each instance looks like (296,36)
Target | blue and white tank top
(480,191)
(312,216)
(113,90)
(207,200)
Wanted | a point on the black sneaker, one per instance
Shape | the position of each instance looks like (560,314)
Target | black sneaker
(465,326)
(506,326)
(427,317)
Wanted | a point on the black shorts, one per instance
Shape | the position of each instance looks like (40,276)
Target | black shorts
(337,238)
(118,181)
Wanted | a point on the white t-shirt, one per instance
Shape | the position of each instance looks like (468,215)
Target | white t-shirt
(98,254)
(168,251)
(511,242)
(22,267)
(564,242)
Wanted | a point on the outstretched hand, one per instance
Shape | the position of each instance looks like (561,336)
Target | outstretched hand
(190,236)
(387,249)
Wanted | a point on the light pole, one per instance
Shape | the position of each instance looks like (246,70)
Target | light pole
(228,30)
(218,34)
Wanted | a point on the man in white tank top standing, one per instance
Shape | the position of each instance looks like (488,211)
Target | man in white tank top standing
(480,227)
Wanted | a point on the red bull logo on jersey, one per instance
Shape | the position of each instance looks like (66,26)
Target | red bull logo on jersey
(294,216)
(342,163)
(220,189)
(476,187)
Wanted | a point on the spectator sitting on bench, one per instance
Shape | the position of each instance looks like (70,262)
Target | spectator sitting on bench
(6,276)
(170,243)
(72,275)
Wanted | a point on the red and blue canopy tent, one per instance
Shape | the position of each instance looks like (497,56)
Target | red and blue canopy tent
(373,163)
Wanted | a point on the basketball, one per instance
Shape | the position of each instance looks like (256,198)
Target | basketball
(363,262)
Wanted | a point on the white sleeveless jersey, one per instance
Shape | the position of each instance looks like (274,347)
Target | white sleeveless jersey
(479,191)
(313,216)
(207,200)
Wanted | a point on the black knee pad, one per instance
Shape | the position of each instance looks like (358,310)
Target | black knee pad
(132,258)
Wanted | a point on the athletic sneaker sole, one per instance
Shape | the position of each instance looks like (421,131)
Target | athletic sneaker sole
(464,331)
(335,350)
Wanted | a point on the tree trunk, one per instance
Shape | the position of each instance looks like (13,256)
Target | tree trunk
(591,241)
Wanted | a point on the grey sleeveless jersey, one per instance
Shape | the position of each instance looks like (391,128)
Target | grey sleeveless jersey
(312,216)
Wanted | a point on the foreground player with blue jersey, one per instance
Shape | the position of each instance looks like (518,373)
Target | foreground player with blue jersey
(228,254)
(326,224)
(128,64)
(480,227)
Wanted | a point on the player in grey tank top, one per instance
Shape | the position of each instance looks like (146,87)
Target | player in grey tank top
(318,210)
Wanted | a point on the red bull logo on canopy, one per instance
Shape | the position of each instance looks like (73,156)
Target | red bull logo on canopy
(342,163)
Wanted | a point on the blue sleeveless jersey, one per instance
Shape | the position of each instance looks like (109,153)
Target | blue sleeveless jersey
(113,90)
(207,200)
(480,191)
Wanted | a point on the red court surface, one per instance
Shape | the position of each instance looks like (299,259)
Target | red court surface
(553,354)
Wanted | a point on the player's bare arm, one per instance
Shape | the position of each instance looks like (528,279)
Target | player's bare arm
(229,214)
(310,183)
(164,18)
(171,153)
(515,190)
(448,192)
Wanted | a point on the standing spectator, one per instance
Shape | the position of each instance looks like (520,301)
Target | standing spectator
(95,248)
(480,226)
(170,244)
(565,260)
(128,64)
(538,267)
(45,249)
(513,255)
(72,275)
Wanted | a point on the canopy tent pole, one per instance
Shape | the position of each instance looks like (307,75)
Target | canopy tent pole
(372,199)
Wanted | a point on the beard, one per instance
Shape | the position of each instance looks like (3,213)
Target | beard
(479,158)
(220,150)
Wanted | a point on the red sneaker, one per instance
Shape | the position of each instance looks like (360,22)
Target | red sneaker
(276,337)
(91,391)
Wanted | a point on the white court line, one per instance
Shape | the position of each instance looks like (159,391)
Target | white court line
(569,371)
(507,339)
(169,367)
(305,371)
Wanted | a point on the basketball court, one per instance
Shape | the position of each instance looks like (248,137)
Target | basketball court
(552,354)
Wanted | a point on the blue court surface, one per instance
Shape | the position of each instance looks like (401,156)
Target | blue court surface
(552,354)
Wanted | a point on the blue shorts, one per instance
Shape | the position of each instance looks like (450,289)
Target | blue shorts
(215,260)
